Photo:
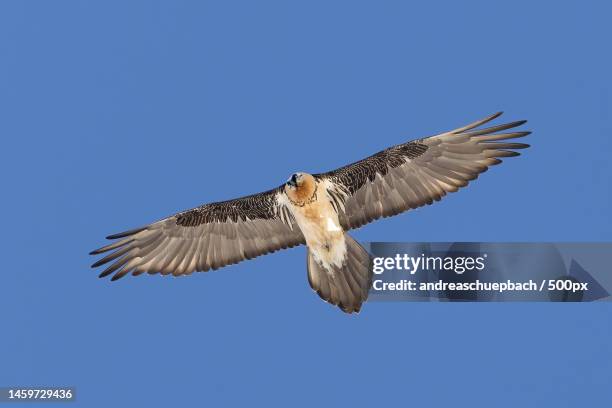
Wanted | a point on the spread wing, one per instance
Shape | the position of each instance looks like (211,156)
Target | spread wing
(203,238)
(418,172)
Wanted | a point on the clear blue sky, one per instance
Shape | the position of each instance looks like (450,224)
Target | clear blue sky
(117,113)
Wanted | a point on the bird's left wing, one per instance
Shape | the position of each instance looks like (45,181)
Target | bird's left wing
(418,172)
(207,237)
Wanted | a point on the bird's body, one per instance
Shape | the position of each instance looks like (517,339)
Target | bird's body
(316,210)
(318,221)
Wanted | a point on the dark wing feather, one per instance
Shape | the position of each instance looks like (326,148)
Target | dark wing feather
(418,172)
(203,238)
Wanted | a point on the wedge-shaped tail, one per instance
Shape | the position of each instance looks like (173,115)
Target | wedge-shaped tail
(346,287)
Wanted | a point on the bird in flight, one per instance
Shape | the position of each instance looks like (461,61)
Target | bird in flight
(316,210)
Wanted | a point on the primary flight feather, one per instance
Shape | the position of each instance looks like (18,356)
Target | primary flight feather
(315,210)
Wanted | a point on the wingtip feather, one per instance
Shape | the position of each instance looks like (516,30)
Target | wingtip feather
(126,233)
(97,263)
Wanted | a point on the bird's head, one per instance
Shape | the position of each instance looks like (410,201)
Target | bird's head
(300,187)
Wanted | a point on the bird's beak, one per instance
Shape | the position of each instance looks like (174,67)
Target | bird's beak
(292,181)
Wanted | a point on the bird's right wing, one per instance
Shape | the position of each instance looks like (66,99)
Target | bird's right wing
(207,237)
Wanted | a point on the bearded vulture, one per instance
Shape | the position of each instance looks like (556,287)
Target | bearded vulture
(316,210)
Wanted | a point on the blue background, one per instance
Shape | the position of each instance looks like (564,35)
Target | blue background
(117,113)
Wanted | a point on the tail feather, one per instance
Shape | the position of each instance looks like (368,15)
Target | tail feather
(346,287)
